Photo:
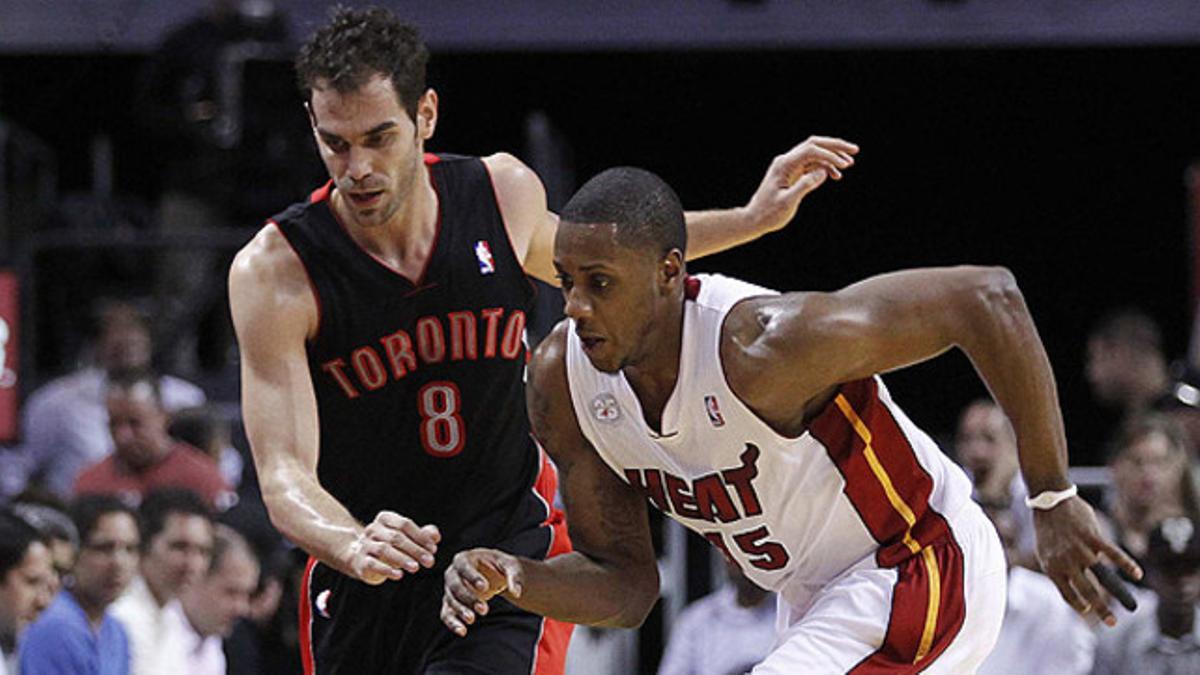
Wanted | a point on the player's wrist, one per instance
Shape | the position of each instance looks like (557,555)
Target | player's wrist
(1048,499)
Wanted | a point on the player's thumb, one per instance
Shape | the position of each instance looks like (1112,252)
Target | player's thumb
(512,576)
(808,182)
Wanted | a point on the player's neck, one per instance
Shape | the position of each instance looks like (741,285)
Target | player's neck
(653,376)
(405,241)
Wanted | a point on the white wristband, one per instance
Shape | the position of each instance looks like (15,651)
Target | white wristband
(1051,498)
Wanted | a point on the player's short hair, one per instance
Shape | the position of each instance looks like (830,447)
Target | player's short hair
(87,510)
(644,209)
(16,536)
(358,44)
(161,504)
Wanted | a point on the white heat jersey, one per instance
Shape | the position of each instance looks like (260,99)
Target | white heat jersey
(861,484)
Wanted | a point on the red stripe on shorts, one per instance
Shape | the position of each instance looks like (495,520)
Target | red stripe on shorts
(910,602)
(306,648)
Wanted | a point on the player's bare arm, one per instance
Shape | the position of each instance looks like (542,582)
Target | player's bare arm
(274,313)
(782,350)
(790,177)
(613,558)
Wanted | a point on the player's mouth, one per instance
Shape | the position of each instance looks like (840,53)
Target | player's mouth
(366,199)
(591,343)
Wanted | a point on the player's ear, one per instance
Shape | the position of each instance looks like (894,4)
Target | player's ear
(671,270)
(427,109)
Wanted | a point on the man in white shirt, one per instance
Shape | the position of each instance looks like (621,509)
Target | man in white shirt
(65,422)
(177,542)
(726,632)
(209,609)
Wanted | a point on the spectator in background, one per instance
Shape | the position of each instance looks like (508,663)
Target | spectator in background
(1163,636)
(1040,632)
(177,542)
(146,456)
(205,429)
(986,447)
(26,582)
(65,422)
(1125,369)
(210,609)
(724,633)
(1150,480)
(57,532)
(76,635)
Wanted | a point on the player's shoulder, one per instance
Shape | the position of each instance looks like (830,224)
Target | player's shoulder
(514,182)
(547,373)
(268,258)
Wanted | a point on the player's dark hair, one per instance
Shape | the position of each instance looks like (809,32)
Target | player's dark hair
(87,510)
(161,504)
(645,210)
(16,536)
(357,44)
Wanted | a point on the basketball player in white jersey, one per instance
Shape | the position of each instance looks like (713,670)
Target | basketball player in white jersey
(759,421)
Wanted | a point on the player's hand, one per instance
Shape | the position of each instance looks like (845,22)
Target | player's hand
(793,175)
(475,577)
(1068,544)
(390,546)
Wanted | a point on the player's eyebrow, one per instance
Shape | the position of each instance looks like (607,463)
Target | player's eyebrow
(377,129)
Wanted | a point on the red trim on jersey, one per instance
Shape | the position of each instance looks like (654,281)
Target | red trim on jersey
(306,647)
(322,193)
(431,159)
(691,288)
(312,286)
(551,657)
(437,232)
(910,600)
(896,455)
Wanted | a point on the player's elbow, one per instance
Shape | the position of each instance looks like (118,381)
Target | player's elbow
(639,600)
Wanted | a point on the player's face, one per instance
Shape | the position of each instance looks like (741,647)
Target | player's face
(372,148)
(615,294)
(26,590)
(178,555)
(107,560)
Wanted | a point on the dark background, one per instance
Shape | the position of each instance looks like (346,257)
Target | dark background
(1065,165)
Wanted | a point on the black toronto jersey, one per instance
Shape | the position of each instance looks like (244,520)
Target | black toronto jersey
(419,382)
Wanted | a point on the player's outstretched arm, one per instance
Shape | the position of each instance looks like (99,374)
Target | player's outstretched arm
(274,312)
(788,180)
(815,341)
(611,579)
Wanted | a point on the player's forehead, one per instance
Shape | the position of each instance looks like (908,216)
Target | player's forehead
(356,112)
(591,246)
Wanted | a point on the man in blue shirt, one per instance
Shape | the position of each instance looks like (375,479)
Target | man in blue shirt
(76,635)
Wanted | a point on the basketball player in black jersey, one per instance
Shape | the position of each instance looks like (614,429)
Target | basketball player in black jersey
(380,326)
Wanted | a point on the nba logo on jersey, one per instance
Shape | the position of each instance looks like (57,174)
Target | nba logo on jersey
(714,411)
(322,603)
(483,253)
(605,408)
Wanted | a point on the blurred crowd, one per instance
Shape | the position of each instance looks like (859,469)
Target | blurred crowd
(132,532)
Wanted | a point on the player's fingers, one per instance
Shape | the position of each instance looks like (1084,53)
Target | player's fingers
(806,156)
(1068,594)
(1112,583)
(835,144)
(451,618)
(1119,558)
(374,572)
(425,537)
(1085,582)
(391,555)
(512,575)
(807,183)
(460,600)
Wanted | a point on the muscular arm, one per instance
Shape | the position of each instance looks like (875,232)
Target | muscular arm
(611,578)
(274,312)
(815,341)
(789,178)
